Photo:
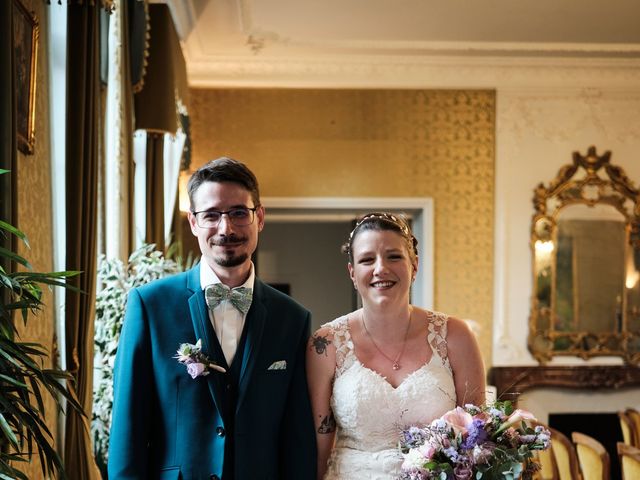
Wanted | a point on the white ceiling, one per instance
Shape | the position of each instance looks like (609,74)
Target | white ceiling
(399,43)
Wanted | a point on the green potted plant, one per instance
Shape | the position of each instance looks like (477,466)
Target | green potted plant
(24,381)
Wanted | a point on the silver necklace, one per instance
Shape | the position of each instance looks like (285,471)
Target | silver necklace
(394,362)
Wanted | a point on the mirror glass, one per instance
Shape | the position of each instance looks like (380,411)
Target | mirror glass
(586,263)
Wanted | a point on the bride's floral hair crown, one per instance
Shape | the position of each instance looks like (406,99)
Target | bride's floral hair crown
(383,221)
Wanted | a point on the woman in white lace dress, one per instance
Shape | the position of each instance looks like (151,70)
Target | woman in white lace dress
(388,364)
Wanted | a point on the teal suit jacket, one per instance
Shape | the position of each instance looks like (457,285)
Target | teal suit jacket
(166,425)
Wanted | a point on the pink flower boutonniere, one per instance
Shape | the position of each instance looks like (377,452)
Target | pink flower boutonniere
(197,363)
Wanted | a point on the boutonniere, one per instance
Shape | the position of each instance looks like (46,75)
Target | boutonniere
(197,363)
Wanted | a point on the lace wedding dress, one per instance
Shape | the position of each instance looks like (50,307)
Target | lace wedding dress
(370,413)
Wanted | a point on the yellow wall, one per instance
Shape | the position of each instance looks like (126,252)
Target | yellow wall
(404,143)
(34,214)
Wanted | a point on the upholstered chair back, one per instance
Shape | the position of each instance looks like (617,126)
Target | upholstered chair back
(592,456)
(565,456)
(629,461)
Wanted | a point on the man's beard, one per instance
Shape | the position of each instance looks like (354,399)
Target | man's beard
(229,259)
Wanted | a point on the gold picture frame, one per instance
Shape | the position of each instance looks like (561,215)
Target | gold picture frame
(25,46)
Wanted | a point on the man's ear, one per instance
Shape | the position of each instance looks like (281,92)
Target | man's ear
(260,214)
(192,223)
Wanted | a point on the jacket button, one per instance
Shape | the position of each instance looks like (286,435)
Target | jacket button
(214,477)
(220,431)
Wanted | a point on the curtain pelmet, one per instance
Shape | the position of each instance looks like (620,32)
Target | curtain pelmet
(165,81)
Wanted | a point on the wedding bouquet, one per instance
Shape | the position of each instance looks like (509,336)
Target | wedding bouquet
(490,442)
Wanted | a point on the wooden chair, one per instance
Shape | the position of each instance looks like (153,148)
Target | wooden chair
(594,460)
(565,456)
(629,461)
(634,416)
(628,428)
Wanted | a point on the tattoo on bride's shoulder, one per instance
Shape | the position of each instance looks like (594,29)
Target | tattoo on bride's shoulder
(320,344)
(328,424)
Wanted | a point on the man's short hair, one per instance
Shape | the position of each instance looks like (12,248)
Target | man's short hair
(224,169)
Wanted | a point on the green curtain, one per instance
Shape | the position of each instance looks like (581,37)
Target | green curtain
(82,144)
(7,125)
(154,232)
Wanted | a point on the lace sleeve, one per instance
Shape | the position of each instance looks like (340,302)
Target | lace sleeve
(437,336)
(339,330)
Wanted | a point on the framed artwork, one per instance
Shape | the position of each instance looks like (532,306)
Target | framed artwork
(25,47)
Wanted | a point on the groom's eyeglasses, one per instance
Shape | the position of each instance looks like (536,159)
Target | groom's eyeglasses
(240,217)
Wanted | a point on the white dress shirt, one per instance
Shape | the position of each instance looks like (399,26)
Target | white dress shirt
(226,319)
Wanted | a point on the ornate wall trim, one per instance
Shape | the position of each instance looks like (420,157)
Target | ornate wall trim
(512,381)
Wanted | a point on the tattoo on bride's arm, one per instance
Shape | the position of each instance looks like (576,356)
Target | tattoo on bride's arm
(328,424)
(320,344)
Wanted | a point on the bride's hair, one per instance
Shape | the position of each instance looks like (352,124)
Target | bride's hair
(383,221)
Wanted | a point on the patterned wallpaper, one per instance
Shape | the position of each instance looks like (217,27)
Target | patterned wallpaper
(404,143)
(33,198)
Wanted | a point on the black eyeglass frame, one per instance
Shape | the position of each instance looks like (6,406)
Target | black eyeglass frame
(227,212)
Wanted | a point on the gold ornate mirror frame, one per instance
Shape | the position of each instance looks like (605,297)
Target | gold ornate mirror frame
(571,244)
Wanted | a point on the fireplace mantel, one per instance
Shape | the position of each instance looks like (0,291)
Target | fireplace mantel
(510,382)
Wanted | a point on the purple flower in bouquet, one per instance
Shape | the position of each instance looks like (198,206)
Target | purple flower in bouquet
(197,363)
(476,434)
(413,436)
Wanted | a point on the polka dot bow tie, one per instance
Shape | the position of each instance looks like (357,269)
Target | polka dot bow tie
(239,297)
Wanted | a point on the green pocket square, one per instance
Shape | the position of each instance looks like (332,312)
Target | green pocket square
(279,365)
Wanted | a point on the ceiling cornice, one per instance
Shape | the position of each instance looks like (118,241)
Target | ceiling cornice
(412,72)
(238,48)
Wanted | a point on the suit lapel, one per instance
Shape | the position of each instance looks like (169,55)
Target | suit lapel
(204,330)
(256,319)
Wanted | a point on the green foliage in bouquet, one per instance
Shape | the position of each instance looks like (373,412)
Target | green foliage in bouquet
(116,280)
(24,382)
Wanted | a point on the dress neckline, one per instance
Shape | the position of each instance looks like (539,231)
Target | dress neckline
(386,380)
(352,351)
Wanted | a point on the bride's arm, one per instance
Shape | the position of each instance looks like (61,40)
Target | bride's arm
(466,363)
(321,365)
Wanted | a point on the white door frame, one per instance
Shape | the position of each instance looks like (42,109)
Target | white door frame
(420,209)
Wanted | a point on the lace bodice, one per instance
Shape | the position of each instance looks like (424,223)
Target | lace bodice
(370,412)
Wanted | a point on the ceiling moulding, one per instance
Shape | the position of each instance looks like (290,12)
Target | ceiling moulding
(278,45)
(412,72)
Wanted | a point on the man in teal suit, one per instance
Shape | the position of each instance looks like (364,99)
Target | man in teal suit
(233,402)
